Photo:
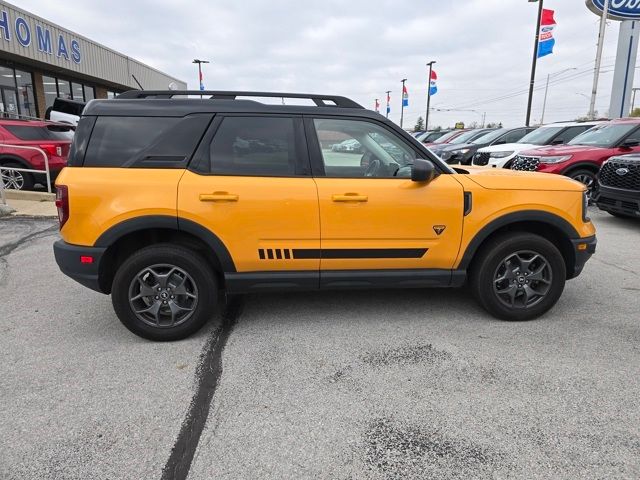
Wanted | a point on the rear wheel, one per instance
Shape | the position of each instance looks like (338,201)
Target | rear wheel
(164,292)
(16,180)
(518,276)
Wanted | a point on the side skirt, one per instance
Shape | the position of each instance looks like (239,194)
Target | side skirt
(245,282)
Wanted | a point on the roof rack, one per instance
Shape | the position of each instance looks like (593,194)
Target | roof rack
(319,100)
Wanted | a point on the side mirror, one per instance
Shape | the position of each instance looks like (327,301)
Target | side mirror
(629,143)
(422,170)
(557,142)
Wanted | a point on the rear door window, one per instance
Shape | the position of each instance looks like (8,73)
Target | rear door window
(259,146)
(144,142)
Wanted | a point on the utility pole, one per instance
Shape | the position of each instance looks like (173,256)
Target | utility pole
(402,102)
(484,117)
(596,71)
(200,62)
(426,117)
(388,99)
(546,90)
(534,62)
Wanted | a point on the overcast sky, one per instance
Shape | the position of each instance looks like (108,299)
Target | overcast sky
(360,48)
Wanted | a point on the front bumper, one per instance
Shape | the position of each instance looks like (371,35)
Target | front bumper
(80,263)
(583,248)
(616,200)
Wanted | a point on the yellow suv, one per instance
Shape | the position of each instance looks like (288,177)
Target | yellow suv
(169,200)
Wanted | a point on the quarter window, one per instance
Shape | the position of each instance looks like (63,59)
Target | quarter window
(260,146)
(355,148)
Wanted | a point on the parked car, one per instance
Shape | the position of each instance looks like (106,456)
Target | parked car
(550,134)
(64,110)
(461,139)
(245,221)
(347,146)
(431,135)
(583,156)
(464,153)
(53,138)
(447,137)
(618,186)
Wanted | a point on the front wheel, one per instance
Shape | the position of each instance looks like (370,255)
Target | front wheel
(164,292)
(518,276)
(586,177)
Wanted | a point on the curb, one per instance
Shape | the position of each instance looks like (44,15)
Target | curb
(33,196)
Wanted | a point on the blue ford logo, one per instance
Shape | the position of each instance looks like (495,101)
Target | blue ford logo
(622,171)
(618,9)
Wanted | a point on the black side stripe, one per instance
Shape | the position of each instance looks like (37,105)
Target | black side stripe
(345,253)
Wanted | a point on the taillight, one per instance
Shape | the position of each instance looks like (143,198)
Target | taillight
(52,149)
(62,204)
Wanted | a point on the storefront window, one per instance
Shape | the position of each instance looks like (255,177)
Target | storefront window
(26,97)
(89,93)
(64,89)
(50,90)
(78,91)
(6,77)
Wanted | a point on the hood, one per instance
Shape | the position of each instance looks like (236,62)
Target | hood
(508,147)
(505,179)
(561,150)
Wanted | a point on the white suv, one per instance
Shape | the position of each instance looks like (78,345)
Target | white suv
(551,134)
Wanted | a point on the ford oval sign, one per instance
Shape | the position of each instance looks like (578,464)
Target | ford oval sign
(618,9)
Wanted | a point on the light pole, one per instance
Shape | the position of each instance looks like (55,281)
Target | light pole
(426,117)
(200,62)
(402,102)
(533,62)
(546,90)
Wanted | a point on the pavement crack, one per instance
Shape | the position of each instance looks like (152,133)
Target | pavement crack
(628,270)
(10,247)
(208,373)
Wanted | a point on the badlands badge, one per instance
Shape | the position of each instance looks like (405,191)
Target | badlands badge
(439,229)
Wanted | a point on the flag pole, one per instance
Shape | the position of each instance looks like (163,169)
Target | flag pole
(402,102)
(534,62)
(426,117)
(596,70)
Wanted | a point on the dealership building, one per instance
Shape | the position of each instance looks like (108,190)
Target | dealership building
(40,61)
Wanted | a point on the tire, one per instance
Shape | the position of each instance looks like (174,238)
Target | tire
(491,264)
(185,300)
(17,180)
(584,176)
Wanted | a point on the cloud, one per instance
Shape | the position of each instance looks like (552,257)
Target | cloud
(360,49)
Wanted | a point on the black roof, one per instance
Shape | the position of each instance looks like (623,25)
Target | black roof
(175,103)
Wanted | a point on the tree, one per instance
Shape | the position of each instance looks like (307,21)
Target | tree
(494,125)
(635,112)
(419,125)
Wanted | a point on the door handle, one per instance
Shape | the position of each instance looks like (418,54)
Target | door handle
(218,197)
(349,197)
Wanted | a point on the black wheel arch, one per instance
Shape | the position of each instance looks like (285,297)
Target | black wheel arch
(586,165)
(9,158)
(124,238)
(548,225)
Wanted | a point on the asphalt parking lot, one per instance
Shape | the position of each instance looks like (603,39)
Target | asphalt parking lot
(385,384)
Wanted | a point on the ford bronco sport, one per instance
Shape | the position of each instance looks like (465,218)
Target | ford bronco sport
(168,200)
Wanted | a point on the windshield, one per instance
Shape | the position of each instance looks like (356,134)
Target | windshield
(490,137)
(541,136)
(447,136)
(606,135)
(466,137)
